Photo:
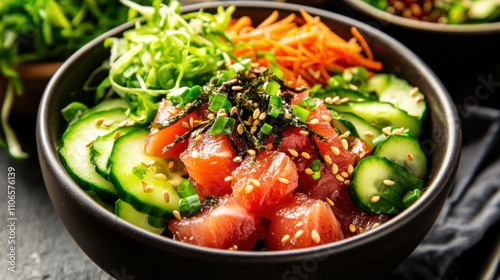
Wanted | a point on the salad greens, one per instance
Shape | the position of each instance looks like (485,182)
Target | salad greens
(167,54)
(47,30)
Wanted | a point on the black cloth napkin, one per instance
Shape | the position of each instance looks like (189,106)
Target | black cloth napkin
(464,243)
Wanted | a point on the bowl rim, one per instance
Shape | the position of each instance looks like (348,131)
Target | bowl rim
(48,152)
(450,29)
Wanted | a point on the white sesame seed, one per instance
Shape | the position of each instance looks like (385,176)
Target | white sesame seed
(352,228)
(293,152)
(304,132)
(368,134)
(326,118)
(298,233)
(344,174)
(387,130)
(236,88)
(233,111)
(285,238)
(375,225)
(185,125)
(283,180)
(255,182)
(330,201)
(251,152)
(256,114)
(345,144)
(328,159)
(309,171)
(237,159)
(107,123)
(166,196)
(347,182)
(145,187)
(305,155)
(388,182)
(375,198)
(253,129)
(316,238)
(335,150)
(340,178)
(177,215)
(99,121)
(116,135)
(248,188)
(171,164)
(161,176)
(262,116)
(409,156)
(335,168)
(414,91)
(314,121)
(228,178)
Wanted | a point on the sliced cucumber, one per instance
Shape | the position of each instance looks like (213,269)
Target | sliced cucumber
(144,221)
(399,92)
(381,186)
(366,131)
(135,175)
(102,146)
(380,114)
(405,151)
(75,151)
(343,124)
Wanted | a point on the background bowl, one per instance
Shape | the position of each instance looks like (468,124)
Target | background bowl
(448,49)
(123,250)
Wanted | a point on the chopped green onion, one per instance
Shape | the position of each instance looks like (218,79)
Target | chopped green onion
(226,75)
(185,189)
(73,110)
(156,222)
(243,65)
(222,126)
(308,103)
(182,96)
(218,102)
(274,108)
(189,205)
(276,71)
(300,112)
(266,128)
(411,197)
(316,167)
(140,171)
(272,87)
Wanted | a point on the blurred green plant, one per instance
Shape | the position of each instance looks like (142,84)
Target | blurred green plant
(47,30)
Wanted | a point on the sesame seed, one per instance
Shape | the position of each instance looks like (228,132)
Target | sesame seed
(325,118)
(388,182)
(375,198)
(228,178)
(166,196)
(328,159)
(347,182)
(345,135)
(236,88)
(329,100)
(298,233)
(251,152)
(191,122)
(353,87)
(239,129)
(293,152)
(256,122)
(340,178)
(316,238)
(233,111)
(145,187)
(361,230)
(255,182)
(130,122)
(375,225)
(107,123)
(305,155)
(248,188)
(161,176)
(314,121)
(409,156)
(330,201)
(253,129)
(345,144)
(344,174)
(419,99)
(287,116)
(335,150)
(309,171)
(122,123)
(89,143)
(398,131)
(256,114)
(335,168)
(211,116)
(237,159)
(285,238)
(283,180)
(221,114)
(350,169)
(344,100)
(387,130)
(262,116)
(185,125)
(304,132)
(233,248)
(265,85)
(99,121)
(177,215)
(171,164)
(116,135)
(414,91)
(368,134)
(352,228)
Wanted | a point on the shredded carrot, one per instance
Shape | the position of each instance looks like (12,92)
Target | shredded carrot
(304,47)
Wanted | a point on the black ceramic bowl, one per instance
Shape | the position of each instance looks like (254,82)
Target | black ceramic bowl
(448,49)
(120,248)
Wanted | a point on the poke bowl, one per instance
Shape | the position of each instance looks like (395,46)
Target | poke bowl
(449,41)
(105,222)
